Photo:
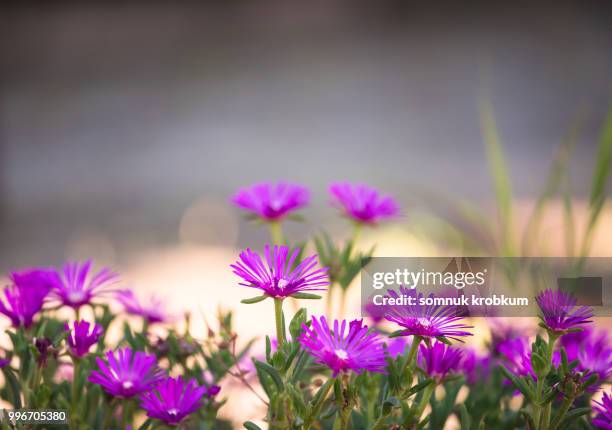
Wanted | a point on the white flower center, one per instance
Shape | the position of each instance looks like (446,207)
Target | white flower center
(282,283)
(424,322)
(76,296)
(172,411)
(341,354)
(127,385)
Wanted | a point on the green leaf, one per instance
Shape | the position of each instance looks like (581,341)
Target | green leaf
(466,420)
(397,333)
(249,425)
(574,414)
(274,374)
(295,326)
(253,300)
(146,424)
(499,173)
(13,387)
(418,387)
(306,296)
(518,383)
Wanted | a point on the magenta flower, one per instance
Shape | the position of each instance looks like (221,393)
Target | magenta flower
(75,286)
(127,374)
(396,347)
(475,367)
(80,338)
(26,296)
(358,349)
(603,419)
(560,312)
(152,310)
(439,359)
(211,391)
(277,277)
(173,400)
(362,203)
(426,321)
(517,356)
(272,201)
(593,351)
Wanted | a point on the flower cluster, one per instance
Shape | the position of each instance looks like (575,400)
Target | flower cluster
(315,368)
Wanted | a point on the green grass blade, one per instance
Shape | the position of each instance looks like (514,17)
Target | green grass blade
(500,175)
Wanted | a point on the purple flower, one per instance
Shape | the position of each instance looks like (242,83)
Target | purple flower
(362,203)
(502,330)
(476,367)
(276,277)
(173,400)
(272,201)
(593,351)
(126,374)
(560,312)
(358,349)
(4,362)
(152,310)
(80,338)
(425,320)
(211,391)
(439,359)
(603,419)
(75,286)
(517,356)
(396,347)
(26,296)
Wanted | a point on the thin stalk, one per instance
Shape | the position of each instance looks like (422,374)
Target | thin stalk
(567,402)
(537,409)
(411,359)
(424,401)
(75,393)
(314,412)
(108,414)
(545,418)
(357,232)
(276,232)
(278,315)
(125,413)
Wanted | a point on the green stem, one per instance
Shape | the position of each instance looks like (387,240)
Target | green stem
(276,232)
(411,359)
(314,412)
(77,313)
(424,401)
(75,393)
(108,413)
(278,315)
(357,233)
(545,418)
(567,402)
(537,409)
(125,414)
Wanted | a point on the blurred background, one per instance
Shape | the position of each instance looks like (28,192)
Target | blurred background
(126,126)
